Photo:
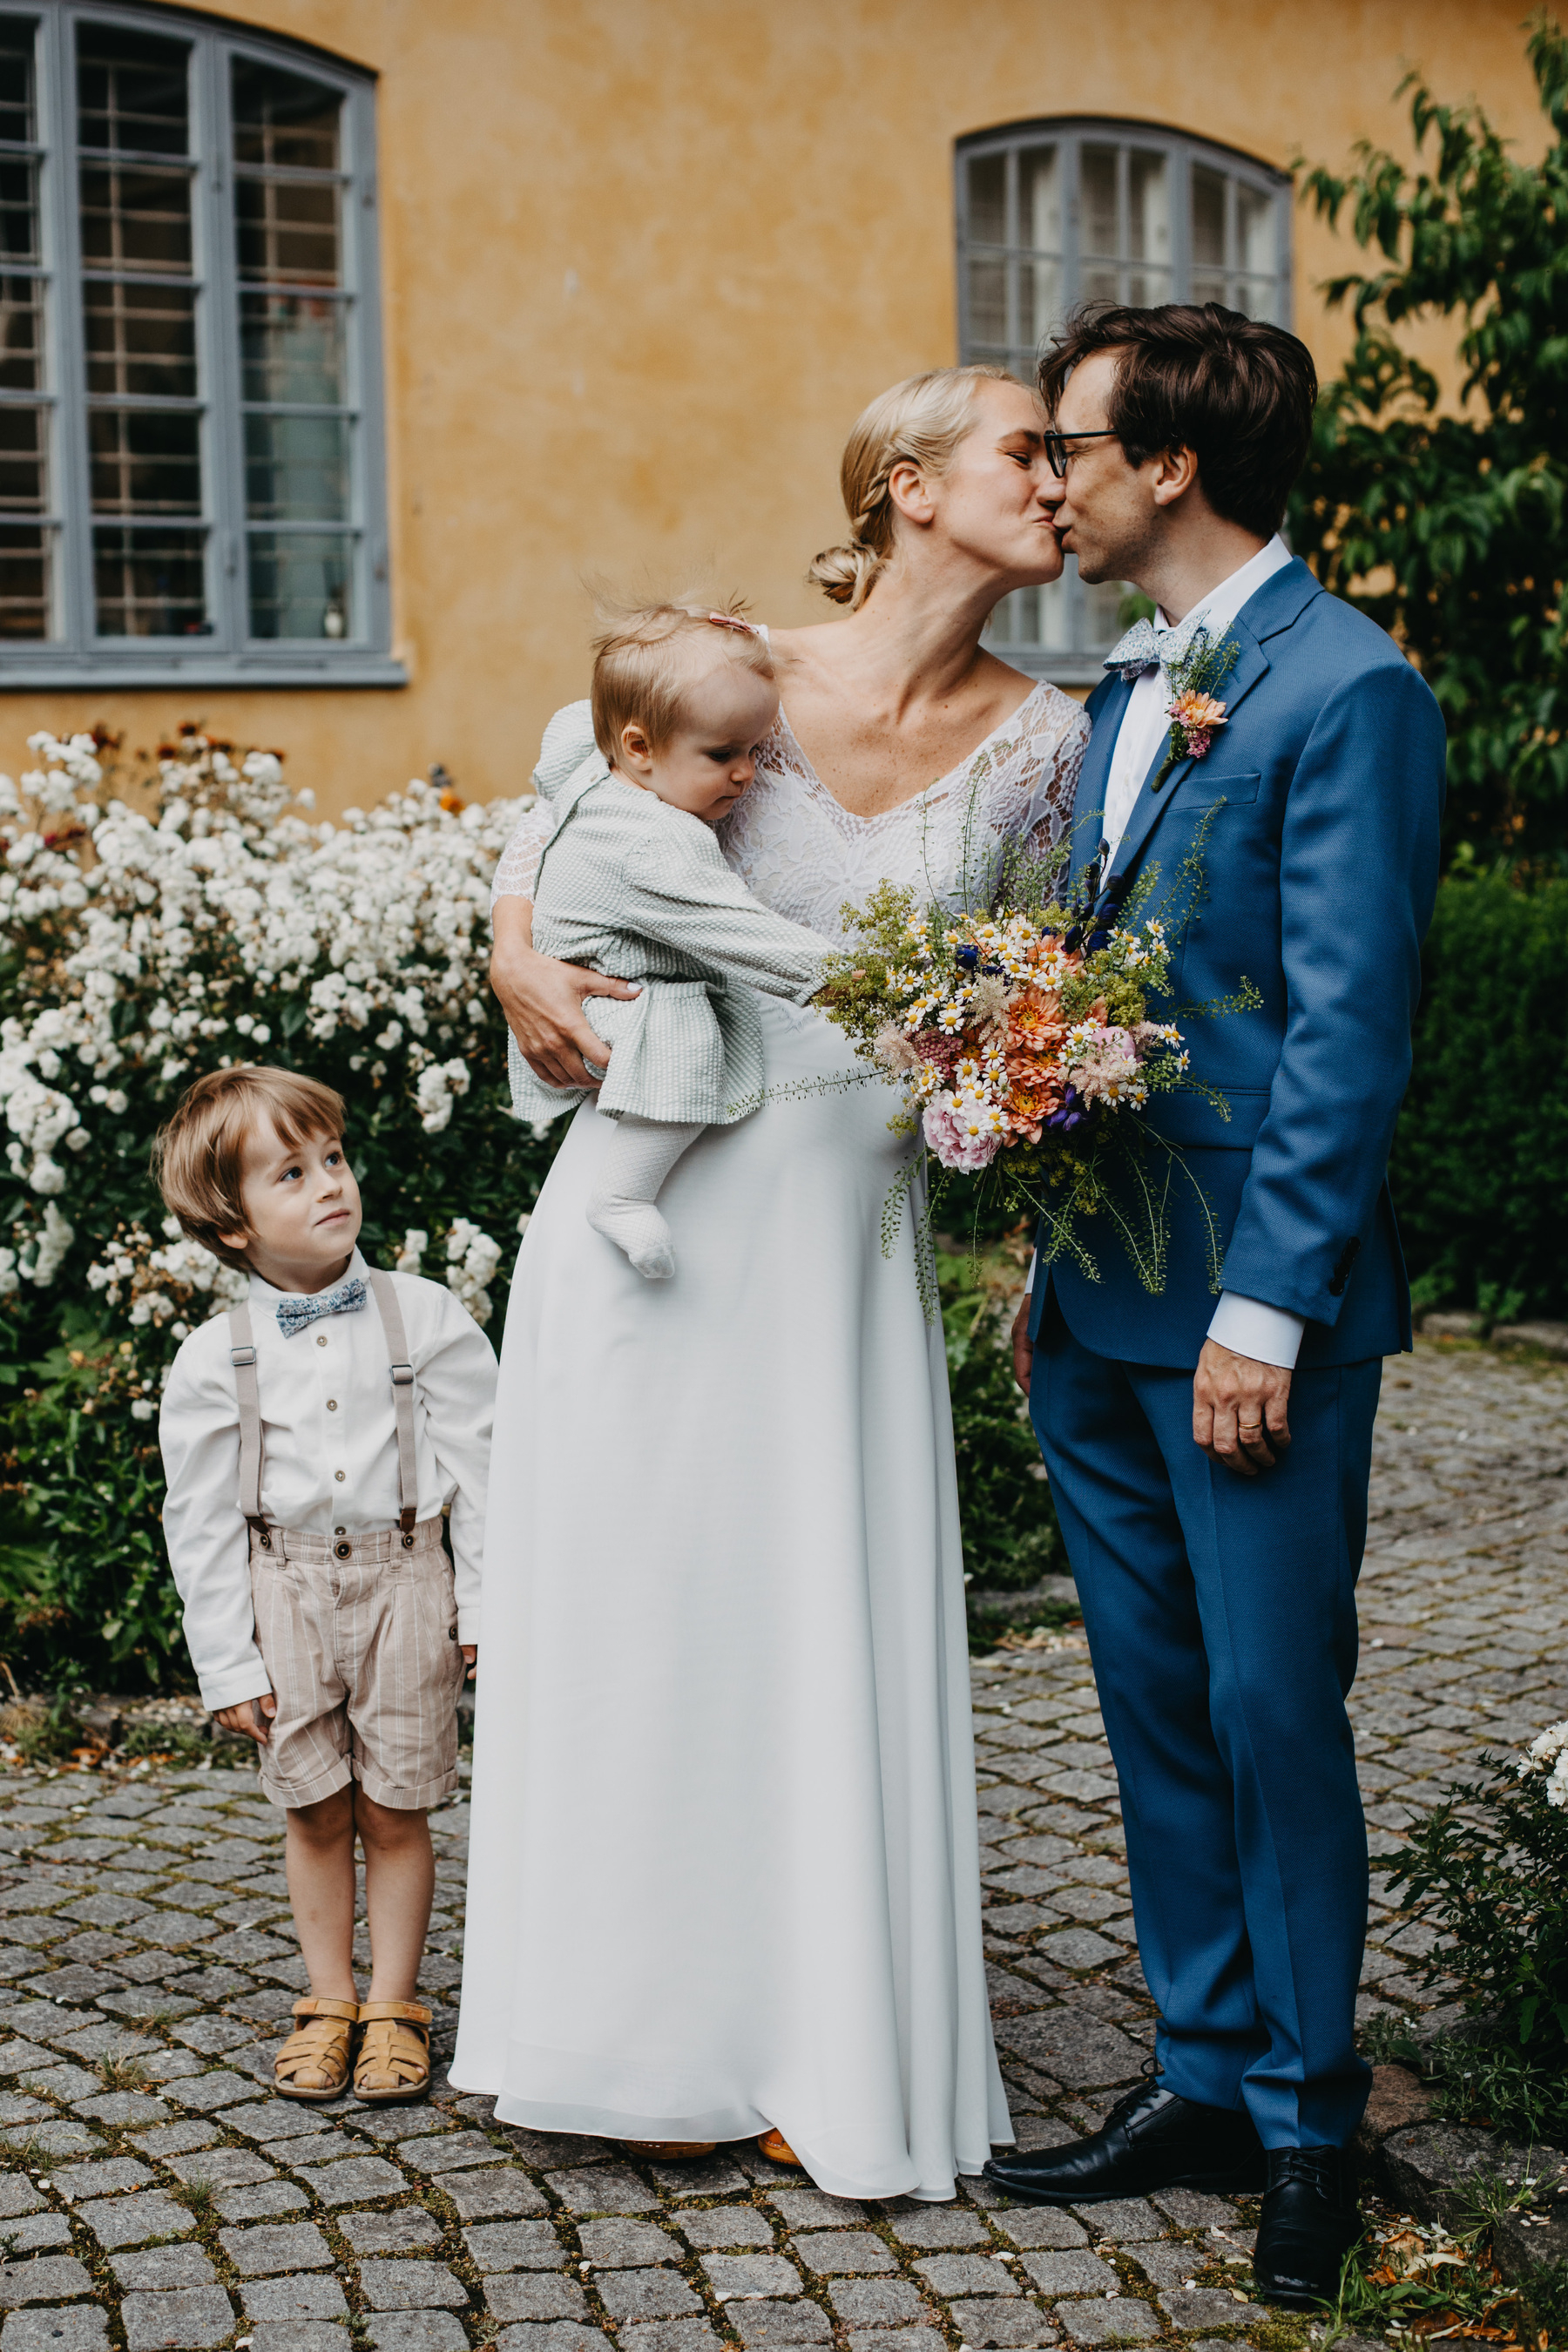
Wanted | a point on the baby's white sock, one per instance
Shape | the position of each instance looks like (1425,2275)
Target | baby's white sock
(621,1205)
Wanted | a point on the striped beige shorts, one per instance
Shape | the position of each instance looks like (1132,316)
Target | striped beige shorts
(358,1636)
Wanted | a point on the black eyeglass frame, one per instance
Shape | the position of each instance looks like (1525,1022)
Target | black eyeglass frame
(1058,453)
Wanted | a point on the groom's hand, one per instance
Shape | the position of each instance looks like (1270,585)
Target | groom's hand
(543,1001)
(1239,1410)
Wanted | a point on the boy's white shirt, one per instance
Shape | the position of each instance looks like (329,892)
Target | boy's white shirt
(326,1408)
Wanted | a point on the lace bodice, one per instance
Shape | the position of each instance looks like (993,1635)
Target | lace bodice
(803,853)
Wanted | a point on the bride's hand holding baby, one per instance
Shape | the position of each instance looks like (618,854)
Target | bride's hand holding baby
(543,1001)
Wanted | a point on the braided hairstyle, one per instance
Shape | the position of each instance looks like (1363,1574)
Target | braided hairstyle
(921,420)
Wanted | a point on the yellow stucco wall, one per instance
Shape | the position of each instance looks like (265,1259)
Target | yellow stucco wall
(644,259)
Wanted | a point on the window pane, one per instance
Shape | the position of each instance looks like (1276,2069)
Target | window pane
(283,121)
(1208,234)
(16,119)
(135,219)
(18,209)
(988,301)
(299,584)
(141,339)
(149,583)
(988,200)
(292,346)
(24,445)
(1039,200)
(287,231)
(1148,228)
(131,92)
(24,581)
(297,469)
(1097,196)
(145,461)
(21,334)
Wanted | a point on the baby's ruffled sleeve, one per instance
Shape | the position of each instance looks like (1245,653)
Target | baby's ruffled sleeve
(519,859)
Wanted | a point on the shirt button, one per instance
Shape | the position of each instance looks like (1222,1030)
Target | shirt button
(331,1404)
(321,1340)
(339,1475)
(340,1531)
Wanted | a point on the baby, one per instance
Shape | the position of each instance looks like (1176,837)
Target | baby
(633,882)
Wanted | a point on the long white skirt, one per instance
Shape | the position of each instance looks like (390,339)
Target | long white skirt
(724,1870)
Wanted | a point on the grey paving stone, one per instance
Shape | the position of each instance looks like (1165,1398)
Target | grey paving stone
(1189,2209)
(808,2208)
(1120,2319)
(767,2323)
(174,2139)
(1209,2306)
(162,2267)
(135,2220)
(77,2180)
(878,2303)
(646,2294)
(830,2252)
(17,2195)
(260,2202)
(534,2295)
(63,2083)
(83,2328)
(1125,2221)
(410,2286)
(724,2225)
(602,2189)
(620,2244)
(484,2196)
(993,2326)
(306,2294)
(669,2335)
(402,2123)
(700,2176)
(271,2120)
(932,2227)
(515,2246)
(297,2336)
(749,2274)
(211,2035)
(120,2109)
(193,2317)
(901,2339)
(48,2279)
(220,2090)
(1170,2262)
(563,2336)
(1039,2225)
(354,2181)
(949,2274)
(37,2231)
(439,2331)
(54,2139)
(287,2246)
(390,2234)
(225,2167)
(447,2153)
(325,2145)
(1070,2273)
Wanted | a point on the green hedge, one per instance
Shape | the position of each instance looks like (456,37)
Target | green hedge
(1481,1158)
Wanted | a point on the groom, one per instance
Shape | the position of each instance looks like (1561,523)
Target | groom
(1209,1458)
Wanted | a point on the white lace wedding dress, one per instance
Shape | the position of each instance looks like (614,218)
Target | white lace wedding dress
(724,1866)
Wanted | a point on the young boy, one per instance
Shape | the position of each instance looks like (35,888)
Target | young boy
(633,882)
(311,1440)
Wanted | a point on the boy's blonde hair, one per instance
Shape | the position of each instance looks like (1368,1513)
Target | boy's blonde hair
(198,1155)
(642,668)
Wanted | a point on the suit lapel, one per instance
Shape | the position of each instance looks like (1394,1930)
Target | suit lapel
(1106,708)
(1251,665)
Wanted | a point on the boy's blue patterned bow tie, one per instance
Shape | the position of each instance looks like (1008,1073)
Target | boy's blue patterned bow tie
(294,1314)
(1148,647)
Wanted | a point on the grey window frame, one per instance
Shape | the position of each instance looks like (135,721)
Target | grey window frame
(1081,663)
(76,655)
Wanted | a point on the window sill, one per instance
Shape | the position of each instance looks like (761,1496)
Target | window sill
(40,669)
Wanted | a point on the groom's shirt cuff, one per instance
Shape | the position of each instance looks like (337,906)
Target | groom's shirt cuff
(1269,1335)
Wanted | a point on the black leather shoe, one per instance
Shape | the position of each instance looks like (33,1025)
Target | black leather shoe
(1151,2139)
(1310,2224)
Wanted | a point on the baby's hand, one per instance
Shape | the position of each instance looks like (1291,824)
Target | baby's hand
(251,1716)
(470,1653)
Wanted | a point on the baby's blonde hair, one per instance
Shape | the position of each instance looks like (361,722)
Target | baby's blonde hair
(643,667)
(922,420)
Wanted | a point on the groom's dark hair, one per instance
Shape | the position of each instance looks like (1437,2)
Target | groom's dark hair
(1235,391)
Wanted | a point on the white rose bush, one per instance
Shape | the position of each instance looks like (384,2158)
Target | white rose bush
(157,922)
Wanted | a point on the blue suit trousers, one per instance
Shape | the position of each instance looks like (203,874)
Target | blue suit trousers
(1221,1619)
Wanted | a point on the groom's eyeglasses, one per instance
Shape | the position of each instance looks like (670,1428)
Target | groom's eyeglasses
(1058,453)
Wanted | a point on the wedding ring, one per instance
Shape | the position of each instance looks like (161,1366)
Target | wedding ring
(1251,1428)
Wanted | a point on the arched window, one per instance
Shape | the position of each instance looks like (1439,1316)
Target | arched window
(1053,214)
(191,459)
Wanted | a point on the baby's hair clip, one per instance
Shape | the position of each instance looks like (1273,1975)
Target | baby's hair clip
(732,621)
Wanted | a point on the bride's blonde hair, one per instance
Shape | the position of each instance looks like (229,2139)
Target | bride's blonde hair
(923,421)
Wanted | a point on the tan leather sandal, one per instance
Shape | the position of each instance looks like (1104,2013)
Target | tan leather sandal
(665,2150)
(314,2064)
(774,2144)
(393,2062)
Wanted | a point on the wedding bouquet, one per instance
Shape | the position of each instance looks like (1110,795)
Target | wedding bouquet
(1021,1040)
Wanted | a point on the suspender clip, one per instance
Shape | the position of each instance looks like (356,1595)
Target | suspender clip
(242,1359)
(402,1376)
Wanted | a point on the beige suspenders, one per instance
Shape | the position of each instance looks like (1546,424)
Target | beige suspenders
(242,1356)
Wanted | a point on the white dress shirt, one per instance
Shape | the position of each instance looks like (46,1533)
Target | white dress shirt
(329,1455)
(1271,1335)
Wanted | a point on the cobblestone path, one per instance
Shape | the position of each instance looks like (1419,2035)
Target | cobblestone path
(153,2193)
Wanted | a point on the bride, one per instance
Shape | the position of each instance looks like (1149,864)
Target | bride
(724,1868)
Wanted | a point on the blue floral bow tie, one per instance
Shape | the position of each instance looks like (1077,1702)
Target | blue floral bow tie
(1147,646)
(294,1314)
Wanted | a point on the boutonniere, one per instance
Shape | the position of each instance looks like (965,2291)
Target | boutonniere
(1195,712)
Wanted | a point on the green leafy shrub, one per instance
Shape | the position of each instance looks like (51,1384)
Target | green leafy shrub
(1011,1539)
(1488,1870)
(1482,1142)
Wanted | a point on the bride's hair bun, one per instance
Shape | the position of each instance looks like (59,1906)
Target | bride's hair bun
(845,572)
(920,422)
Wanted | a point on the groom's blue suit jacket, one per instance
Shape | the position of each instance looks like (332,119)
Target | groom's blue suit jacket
(1321,868)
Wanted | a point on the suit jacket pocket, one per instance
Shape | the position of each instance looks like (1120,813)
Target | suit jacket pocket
(1203,787)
